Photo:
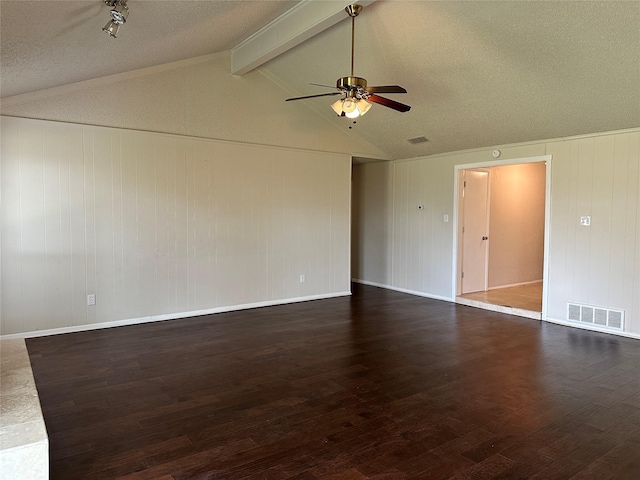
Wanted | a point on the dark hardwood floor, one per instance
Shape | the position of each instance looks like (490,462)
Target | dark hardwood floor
(378,385)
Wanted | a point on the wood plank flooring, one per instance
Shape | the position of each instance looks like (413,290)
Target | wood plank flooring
(525,297)
(379,385)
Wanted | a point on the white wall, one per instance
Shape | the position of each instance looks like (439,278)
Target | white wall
(371,222)
(419,237)
(597,265)
(516,231)
(597,175)
(158,224)
(196,97)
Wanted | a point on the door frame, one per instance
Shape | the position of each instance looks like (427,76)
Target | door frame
(456,280)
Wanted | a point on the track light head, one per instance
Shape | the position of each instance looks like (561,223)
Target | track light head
(111,28)
(119,13)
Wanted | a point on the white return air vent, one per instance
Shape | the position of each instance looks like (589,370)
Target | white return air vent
(596,316)
(415,141)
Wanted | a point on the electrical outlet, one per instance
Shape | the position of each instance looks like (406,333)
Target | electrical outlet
(301,278)
(91,299)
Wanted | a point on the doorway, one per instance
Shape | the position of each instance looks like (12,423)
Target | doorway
(475,230)
(502,217)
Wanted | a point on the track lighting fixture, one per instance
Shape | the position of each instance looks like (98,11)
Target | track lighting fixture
(119,13)
(111,28)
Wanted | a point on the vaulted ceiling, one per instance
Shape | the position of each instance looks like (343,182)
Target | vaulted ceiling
(477,73)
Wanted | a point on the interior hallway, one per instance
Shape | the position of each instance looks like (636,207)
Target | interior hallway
(523,300)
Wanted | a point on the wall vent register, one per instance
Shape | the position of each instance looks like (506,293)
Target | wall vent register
(599,316)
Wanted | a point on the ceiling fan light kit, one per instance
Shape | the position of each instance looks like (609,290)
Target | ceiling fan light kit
(356,95)
(119,13)
(350,107)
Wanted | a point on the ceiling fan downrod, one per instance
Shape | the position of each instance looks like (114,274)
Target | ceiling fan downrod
(353,11)
(357,97)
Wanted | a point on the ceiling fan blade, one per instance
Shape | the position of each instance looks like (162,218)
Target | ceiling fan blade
(401,107)
(386,89)
(321,85)
(314,96)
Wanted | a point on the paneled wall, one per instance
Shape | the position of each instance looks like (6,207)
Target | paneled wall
(196,97)
(158,225)
(371,222)
(422,240)
(598,265)
(596,175)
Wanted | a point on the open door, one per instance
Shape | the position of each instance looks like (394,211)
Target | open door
(475,234)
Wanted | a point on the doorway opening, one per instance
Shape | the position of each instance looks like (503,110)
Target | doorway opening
(502,225)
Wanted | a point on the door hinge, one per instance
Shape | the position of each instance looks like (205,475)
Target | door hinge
(464,184)
(462,275)
(462,229)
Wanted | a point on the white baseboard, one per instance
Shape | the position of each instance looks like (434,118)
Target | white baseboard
(402,290)
(593,328)
(550,320)
(514,284)
(171,316)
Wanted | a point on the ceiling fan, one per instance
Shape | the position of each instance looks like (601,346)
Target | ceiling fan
(357,97)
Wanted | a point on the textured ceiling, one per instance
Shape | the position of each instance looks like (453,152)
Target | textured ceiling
(51,43)
(482,73)
(477,73)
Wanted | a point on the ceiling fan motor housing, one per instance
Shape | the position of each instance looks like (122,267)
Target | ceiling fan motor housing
(357,97)
(351,85)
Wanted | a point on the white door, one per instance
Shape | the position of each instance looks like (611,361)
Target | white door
(475,233)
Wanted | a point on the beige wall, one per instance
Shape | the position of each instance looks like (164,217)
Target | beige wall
(596,175)
(597,265)
(421,239)
(158,225)
(516,231)
(196,97)
(371,224)
(83,199)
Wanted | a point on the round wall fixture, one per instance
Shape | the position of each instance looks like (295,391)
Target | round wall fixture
(496,153)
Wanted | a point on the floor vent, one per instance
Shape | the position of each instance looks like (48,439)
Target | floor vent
(598,316)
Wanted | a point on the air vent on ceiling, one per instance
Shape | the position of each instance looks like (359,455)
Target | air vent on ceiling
(598,316)
(417,140)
